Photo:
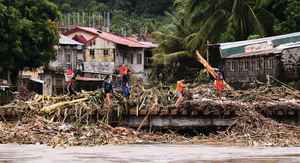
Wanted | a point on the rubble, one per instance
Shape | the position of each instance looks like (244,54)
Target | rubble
(84,119)
(38,130)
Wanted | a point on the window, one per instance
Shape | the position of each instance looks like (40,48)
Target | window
(258,64)
(131,58)
(231,65)
(270,63)
(139,59)
(235,65)
(105,52)
(241,66)
(68,58)
(92,53)
(246,65)
(114,54)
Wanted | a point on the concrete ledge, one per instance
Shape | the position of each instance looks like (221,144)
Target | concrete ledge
(163,121)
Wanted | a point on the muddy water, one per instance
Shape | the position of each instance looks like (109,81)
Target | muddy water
(147,153)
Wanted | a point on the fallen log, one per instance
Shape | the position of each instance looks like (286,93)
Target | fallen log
(55,107)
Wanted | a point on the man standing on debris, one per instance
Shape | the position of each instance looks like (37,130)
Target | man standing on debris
(180,89)
(126,89)
(70,79)
(108,90)
(219,84)
(124,70)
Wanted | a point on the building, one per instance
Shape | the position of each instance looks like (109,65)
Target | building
(251,60)
(148,54)
(69,52)
(49,80)
(105,51)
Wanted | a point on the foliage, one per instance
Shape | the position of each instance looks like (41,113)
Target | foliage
(128,16)
(203,77)
(28,33)
(196,22)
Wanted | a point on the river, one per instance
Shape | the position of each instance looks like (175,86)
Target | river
(12,153)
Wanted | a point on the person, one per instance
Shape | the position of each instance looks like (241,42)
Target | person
(180,89)
(108,89)
(79,69)
(123,71)
(70,79)
(219,84)
(126,89)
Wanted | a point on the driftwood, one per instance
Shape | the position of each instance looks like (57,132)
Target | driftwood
(54,107)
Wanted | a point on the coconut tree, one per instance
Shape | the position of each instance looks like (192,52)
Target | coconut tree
(197,21)
(227,20)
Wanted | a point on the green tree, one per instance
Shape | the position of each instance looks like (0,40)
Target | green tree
(28,33)
(197,21)
(288,16)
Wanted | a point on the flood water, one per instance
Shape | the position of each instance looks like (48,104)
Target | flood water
(147,153)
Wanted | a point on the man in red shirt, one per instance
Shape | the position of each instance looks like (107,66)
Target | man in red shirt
(124,70)
(219,84)
(69,78)
(180,89)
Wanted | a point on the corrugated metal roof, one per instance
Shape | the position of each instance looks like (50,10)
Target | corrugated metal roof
(234,48)
(113,38)
(275,50)
(64,40)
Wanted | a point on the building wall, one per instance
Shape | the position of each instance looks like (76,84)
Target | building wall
(98,50)
(249,69)
(54,84)
(66,55)
(291,63)
(48,85)
(133,57)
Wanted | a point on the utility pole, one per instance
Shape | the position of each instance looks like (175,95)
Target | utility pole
(108,21)
(78,18)
(207,55)
(207,51)
(83,19)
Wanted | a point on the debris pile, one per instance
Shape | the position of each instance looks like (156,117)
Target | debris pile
(83,119)
(38,130)
(252,129)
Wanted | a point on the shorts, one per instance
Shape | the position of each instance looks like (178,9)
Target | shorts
(125,78)
(179,94)
(108,91)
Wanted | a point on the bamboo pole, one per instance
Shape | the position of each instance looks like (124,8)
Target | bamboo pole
(210,69)
(49,109)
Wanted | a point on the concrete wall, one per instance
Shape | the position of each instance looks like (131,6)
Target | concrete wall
(48,85)
(249,69)
(131,57)
(98,45)
(291,63)
(117,54)
(66,55)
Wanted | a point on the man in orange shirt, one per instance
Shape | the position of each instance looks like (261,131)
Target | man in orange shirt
(123,70)
(180,89)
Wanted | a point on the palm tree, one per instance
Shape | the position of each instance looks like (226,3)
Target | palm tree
(196,21)
(237,19)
